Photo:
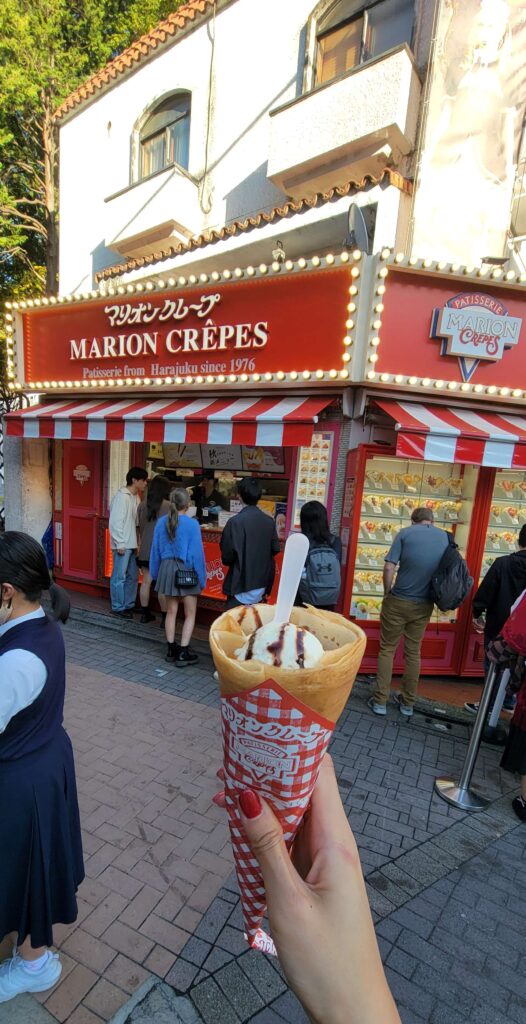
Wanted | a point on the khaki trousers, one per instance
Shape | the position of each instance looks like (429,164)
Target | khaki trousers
(401,618)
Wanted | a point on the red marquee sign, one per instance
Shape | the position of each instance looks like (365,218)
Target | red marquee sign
(265,324)
(431,329)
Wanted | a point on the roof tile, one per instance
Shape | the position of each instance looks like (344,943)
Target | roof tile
(238,227)
(141,48)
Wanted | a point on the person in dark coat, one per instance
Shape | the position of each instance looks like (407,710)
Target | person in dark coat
(502,585)
(41,863)
(249,544)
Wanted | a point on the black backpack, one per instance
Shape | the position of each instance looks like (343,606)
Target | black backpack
(451,583)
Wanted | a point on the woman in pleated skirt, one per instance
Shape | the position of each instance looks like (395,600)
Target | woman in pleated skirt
(41,864)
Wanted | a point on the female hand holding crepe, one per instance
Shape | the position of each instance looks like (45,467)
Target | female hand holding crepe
(318,909)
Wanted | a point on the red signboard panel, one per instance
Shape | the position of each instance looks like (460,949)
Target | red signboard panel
(484,335)
(295,322)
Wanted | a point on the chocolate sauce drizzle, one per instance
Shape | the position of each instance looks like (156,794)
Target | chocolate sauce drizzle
(276,649)
(300,648)
(244,612)
(250,646)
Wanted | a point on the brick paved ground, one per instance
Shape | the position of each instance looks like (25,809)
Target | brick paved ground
(160,897)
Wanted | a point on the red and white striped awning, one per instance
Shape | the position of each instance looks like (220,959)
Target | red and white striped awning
(441,434)
(273,422)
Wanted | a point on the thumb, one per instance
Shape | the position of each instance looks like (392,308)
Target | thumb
(265,837)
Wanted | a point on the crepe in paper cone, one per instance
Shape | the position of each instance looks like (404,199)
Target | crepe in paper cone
(277,724)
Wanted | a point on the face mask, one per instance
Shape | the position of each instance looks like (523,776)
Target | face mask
(191,511)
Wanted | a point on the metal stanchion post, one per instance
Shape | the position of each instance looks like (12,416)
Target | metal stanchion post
(499,699)
(459,793)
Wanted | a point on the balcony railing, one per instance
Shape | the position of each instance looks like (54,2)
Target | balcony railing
(358,124)
(151,214)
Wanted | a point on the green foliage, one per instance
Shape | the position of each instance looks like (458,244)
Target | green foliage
(47,49)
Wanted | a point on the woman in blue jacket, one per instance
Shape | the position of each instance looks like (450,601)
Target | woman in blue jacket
(176,546)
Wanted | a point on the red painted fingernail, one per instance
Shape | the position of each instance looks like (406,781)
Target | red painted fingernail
(250,803)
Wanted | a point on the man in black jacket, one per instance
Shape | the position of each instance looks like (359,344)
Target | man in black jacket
(502,585)
(249,543)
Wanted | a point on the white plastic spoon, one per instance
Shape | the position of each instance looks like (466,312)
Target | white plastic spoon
(295,555)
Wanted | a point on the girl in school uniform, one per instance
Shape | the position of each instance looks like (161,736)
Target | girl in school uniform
(41,863)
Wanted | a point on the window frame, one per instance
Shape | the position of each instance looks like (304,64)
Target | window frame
(143,136)
(314,34)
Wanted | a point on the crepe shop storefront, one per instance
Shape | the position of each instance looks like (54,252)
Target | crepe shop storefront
(441,423)
(203,381)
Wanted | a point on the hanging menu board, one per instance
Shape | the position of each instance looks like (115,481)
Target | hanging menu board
(312,482)
(182,456)
(263,460)
(221,456)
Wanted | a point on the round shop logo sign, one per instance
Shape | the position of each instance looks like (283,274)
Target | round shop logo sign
(82,474)
(474,327)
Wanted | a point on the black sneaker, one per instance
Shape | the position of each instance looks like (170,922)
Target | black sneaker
(519,806)
(185,656)
(147,616)
(126,613)
(472,707)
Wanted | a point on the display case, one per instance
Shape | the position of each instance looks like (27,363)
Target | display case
(507,514)
(392,489)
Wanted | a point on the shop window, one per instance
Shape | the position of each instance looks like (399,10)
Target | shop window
(165,135)
(347,34)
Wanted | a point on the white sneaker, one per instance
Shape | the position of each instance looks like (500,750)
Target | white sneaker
(15,978)
(377,709)
(405,709)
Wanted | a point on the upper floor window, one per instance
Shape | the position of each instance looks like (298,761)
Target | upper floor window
(350,33)
(165,135)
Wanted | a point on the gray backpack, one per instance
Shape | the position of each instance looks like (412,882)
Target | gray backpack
(321,579)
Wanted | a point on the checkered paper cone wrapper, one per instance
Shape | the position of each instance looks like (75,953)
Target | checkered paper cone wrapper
(277,724)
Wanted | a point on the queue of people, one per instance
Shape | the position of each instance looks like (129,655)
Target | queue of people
(154,531)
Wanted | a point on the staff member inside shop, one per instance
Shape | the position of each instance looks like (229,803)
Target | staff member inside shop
(207,495)
(249,544)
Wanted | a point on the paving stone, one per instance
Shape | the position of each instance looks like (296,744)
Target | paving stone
(445,1015)
(265,979)
(238,989)
(401,962)
(289,1009)
(196,951)
(216,959)
(25,1010)
(410,920)
(386,887)
(214,920)
(232,940)
(159,1003)
(212,1004)
(407,994)
(182,975)
(267,1016)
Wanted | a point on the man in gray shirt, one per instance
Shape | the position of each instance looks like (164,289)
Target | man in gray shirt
(407,606)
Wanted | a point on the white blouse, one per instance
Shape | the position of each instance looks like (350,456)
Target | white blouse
(22,675)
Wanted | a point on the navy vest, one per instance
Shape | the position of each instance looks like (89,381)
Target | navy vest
(38,724)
